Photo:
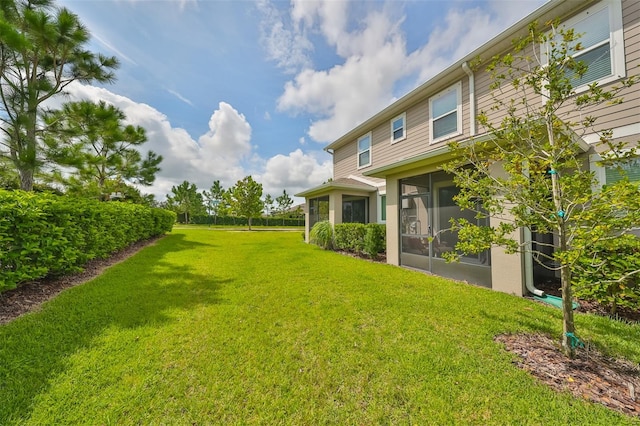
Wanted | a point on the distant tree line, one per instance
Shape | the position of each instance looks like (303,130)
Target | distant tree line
(241,204)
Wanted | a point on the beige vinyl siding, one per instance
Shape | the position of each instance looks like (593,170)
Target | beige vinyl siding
(417,131)
(628,112)
(383,152)
(345,160)
(608,116)
(485,100)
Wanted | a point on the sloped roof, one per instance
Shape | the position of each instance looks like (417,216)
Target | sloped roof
(342,183)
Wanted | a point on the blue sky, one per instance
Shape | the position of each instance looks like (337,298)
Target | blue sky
(227,89)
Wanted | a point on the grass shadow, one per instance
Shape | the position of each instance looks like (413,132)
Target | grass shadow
(141,291)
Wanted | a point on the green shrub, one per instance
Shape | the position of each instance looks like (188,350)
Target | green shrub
(375,239)
(350,237)
(359,238)
(43,234)
(322,235)
(606,275)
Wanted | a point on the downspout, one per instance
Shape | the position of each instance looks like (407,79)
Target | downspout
(528,255)
(472,98)
(528,264)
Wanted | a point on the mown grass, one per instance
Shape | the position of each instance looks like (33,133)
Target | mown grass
(215,327)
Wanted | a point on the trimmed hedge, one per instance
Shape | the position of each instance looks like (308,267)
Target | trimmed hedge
(369,239)
(47,235)
(242,221)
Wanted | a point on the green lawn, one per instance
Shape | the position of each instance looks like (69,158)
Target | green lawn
(219,327)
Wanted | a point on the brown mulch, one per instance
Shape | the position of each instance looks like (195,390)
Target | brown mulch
(613,383)
(30,295)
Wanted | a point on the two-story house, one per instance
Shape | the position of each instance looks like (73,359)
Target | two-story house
(387,169)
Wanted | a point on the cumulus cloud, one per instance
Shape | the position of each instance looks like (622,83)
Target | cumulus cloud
(376,59)
(350,92)
(294,172)
(285,45)
(223,153)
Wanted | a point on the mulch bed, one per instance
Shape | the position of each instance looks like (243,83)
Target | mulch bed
(30,295)
(613,383)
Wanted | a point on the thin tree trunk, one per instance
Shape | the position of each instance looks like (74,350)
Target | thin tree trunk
(26,179)
(568,325)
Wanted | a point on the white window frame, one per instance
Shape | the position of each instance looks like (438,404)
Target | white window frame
(599,170)
(380,195)
(616,41)
(458,88)
(402,117)
(368,135)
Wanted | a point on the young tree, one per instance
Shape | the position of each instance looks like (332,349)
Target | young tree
(96,148)
(246,198)
(42,50)
(530,171)
(215,199)
(268,206)
(185,199)
(284,204)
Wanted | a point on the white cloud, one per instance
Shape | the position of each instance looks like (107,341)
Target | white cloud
(224,152)
(294,172)
(331,15)
(350,92)
(179,96)
(285,45)
(228,140)
(376,59)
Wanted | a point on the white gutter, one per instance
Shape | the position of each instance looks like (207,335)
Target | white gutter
(472,97)
(528,264)
(528,254)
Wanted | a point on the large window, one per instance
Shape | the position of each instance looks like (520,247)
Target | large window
(318,210)
(629,169)
(426,208)
(445,114)
(601,43)
(364,150)
(398,126)
(354,209)
(610,174)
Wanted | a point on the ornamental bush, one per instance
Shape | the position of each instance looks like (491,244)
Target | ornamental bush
(322,235)
(609,273)
(350,237)
(359,238)
(47,235)
(375,239)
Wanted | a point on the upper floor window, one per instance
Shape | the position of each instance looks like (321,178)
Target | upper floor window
(630,170)
(601,42)
(364,150)
(610,174)
(445,113)
(398,126)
